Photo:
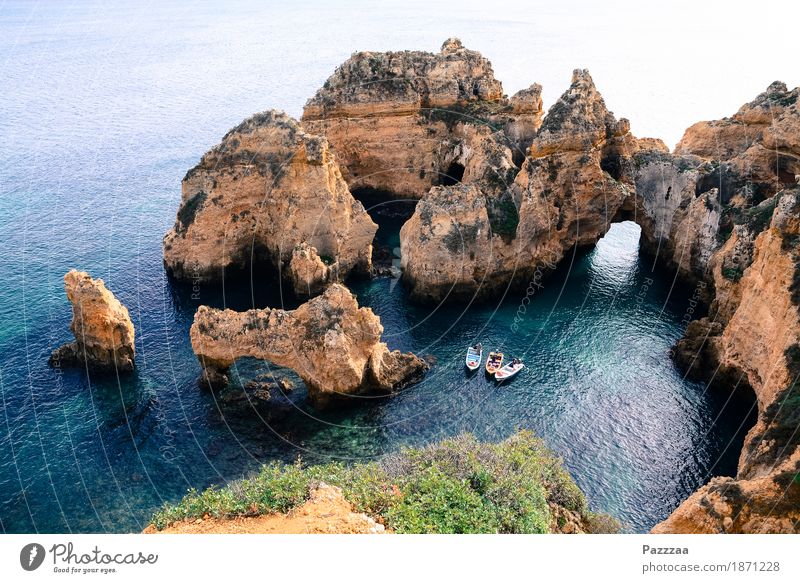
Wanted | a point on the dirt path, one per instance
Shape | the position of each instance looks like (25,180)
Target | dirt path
(326,512)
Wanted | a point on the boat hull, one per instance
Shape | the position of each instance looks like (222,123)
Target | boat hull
(474,358)
(506,373)
(491,366)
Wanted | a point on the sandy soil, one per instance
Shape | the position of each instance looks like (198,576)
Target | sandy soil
(326,512)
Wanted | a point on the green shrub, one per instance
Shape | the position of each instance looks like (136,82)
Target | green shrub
(597,523)
(459,485)
(433,502)
(732,273)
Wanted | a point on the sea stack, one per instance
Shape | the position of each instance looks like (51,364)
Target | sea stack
(474,240)
(268,188)
(404,121)
(104,334)
(330,342)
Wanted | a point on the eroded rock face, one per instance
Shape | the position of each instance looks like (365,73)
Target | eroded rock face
(737,229)
(688,202)
(402,122)
(760,143)
(308,273)
(752,338)
(679,225)
(448,249)
(266,189)
(104,334)
(331,343)
(475,239)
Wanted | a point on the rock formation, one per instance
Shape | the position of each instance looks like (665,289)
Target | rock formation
(308,273)
(331,343)
(751,337)
(104,336)
(503,194)
(469,240)
(402,122)
(266,189)
(687,202)
(757,145)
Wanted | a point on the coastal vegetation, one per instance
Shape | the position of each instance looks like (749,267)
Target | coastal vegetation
(459,485)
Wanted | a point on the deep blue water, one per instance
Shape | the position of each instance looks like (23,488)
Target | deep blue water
(102,110)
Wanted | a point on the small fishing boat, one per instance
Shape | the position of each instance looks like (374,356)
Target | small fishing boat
(509,370)
(494,362)
(474,356)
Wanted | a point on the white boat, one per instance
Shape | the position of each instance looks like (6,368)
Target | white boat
(509,370)
(474,356)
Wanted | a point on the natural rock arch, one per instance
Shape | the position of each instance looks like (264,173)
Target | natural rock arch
(331,343)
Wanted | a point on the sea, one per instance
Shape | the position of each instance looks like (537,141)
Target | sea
(104,106)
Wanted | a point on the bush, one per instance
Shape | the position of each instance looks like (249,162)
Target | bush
(459,485)
(602,524)
(433,502)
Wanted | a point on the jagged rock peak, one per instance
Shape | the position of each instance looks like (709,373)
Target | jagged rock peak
(527,100)
(451,45)
(578,120)
(104,334)
(775,98)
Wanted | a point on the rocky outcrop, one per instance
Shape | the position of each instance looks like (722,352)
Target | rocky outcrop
(678,226)
(402,122)
(688,202)
(448,247)
(739,211)
(761,505)
(266,189)
(760,144)
(308,273)
(469,240)
(104,335)
(752,339)
(331,343)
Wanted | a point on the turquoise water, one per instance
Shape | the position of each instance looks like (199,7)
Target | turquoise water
(104,107)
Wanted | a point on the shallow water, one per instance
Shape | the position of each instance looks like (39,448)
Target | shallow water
(104,108)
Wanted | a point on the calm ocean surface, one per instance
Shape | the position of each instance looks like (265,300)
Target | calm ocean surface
(103,108)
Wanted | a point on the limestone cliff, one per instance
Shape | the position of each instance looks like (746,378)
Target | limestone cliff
(266,189)
(402,122)
(475,239)
(760,144)
(104,335)
(726,209)
(331,343)
(688,202)
(752,338)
